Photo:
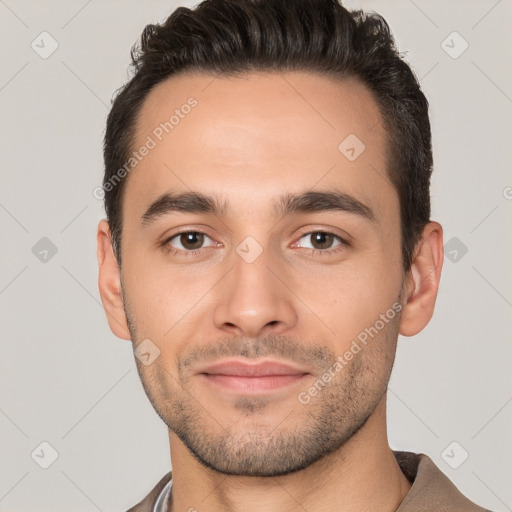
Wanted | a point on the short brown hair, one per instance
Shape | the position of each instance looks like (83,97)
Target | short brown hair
(235,36)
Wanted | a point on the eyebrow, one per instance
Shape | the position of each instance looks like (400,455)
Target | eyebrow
(288,204)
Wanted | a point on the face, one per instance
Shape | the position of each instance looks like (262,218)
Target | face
(270,278)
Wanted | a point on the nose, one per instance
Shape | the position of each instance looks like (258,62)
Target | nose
(254,299)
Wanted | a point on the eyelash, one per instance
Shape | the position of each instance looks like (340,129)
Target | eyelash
(315,252)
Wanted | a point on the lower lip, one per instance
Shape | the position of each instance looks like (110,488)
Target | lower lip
(252,385)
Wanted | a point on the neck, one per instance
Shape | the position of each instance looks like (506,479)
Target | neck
(362,475)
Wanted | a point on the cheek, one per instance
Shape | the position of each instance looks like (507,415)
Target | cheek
(150,302)
(352,298)
(164,299)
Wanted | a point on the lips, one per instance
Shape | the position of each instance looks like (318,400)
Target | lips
(241,377)
(245,369)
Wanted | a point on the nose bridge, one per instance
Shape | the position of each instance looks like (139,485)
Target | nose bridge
(252,298)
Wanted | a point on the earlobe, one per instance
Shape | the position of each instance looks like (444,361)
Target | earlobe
(109,282)
(423,281)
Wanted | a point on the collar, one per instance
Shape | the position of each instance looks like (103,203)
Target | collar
(431,489)
(163,498)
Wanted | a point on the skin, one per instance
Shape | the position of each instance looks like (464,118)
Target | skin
(251,139)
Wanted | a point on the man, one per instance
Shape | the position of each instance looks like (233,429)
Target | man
(268,236)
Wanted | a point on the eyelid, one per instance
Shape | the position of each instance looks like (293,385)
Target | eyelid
(189,228)
(343,243)
(167,239)
(342,235)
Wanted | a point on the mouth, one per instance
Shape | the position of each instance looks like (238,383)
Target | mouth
(239,376)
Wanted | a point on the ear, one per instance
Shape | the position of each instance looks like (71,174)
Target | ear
(109,281)
(422,281)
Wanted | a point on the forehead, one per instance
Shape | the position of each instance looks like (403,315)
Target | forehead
(250,137)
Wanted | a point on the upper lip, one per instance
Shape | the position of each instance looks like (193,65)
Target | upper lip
(253,369)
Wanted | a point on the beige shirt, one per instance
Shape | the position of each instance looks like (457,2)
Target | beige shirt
(431,490)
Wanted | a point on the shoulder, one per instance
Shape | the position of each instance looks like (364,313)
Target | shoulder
(431,488)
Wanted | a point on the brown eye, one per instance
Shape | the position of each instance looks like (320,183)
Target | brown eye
(188,240)
(321,241)
(192,240)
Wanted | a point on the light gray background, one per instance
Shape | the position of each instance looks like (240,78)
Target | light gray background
(64,377)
